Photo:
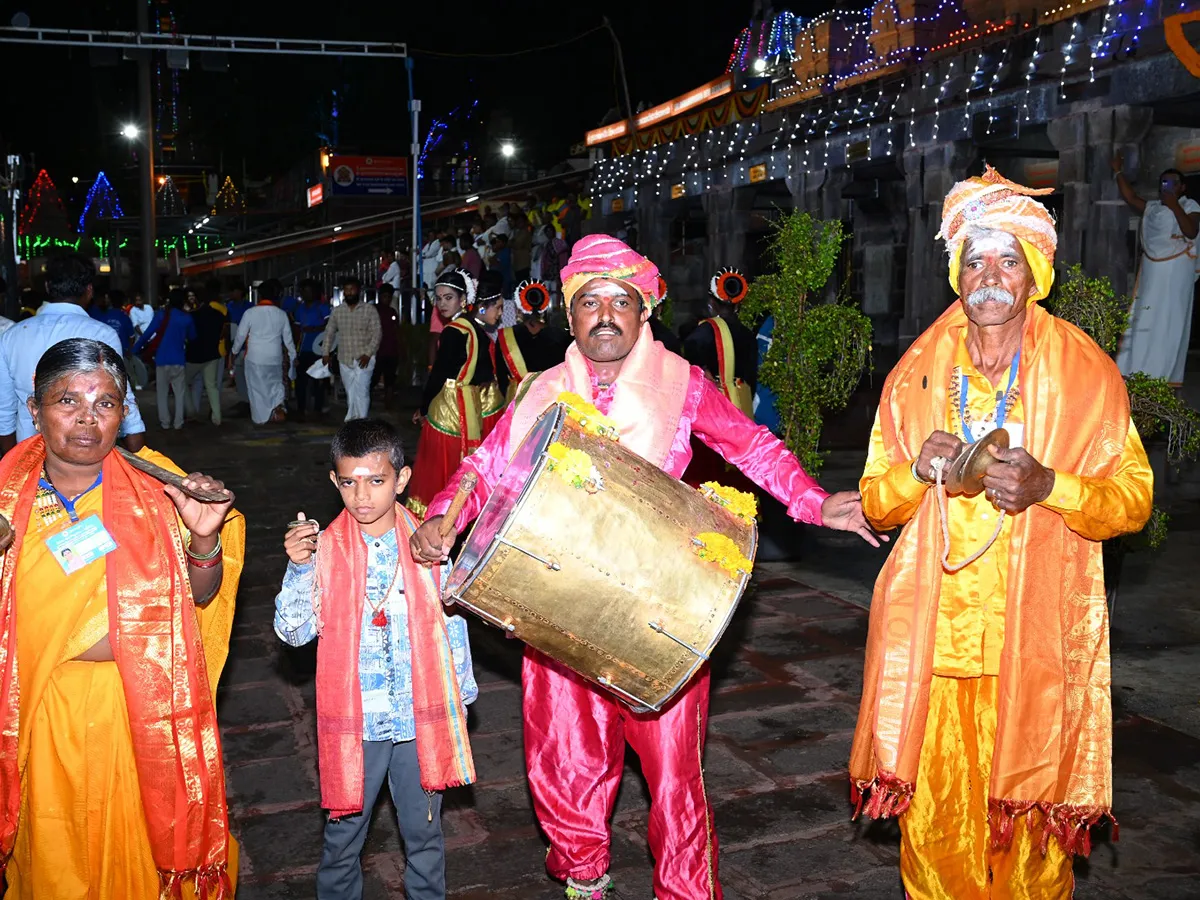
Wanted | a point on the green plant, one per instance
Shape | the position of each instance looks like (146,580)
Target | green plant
(1092,305)
(818,352)
(1155,408)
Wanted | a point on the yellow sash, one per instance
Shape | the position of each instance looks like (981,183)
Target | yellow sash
(736,390)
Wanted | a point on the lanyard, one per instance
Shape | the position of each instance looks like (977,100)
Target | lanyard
(1001,401)
(69,505)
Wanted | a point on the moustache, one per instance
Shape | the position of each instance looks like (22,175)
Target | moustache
(612,326)
(990,294)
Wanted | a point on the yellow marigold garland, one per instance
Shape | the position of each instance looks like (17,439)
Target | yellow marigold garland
(589,418)
(724,552)
(740,503)
(574,467)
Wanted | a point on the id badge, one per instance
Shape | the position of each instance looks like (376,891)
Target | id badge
(81,544)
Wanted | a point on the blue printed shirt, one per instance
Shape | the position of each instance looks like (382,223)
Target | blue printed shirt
(385,654)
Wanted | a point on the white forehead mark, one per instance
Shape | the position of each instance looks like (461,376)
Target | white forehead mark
(360,471)
(981,240)
(607,289)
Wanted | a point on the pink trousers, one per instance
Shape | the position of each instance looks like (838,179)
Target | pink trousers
(575,738)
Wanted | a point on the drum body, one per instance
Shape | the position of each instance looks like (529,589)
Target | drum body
(603,577)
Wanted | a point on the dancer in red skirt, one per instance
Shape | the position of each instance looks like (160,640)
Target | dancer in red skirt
(462,400)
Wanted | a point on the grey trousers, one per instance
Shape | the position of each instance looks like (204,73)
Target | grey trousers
(170,378)
(419,815)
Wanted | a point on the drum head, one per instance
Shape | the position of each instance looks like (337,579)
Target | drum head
(503,502)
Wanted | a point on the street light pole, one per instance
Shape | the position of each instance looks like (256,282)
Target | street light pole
(414,106)
(624,82)
(146,103)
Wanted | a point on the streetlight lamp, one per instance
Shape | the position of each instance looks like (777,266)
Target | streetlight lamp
(507,149)
(131,131)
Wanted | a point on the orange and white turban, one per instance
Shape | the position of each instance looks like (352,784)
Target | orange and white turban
(992,202)
(601,256)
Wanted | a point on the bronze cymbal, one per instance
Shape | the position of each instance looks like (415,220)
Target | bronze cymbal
(965,474)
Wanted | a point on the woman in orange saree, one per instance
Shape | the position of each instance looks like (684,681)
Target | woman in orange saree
(116,602)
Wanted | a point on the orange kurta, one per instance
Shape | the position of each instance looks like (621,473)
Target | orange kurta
(946,852)
(82,830)
(971,606)
(1049,761)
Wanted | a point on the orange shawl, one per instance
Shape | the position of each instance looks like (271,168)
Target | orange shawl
(158,650)
(1054,736)
(443,749)
(647,400)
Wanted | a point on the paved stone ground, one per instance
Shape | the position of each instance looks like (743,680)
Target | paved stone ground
(786,681)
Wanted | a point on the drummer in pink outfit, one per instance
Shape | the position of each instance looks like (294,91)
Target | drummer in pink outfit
(575,734)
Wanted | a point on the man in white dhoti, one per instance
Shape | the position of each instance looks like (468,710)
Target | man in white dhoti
(356,326)
(266,333)
(1160,323)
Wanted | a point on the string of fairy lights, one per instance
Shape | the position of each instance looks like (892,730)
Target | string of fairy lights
(977,84)
(43,225)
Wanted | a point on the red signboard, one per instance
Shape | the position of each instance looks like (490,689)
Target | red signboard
(316,194)
(369,175)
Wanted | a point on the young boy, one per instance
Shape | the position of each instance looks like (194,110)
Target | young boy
(393,671)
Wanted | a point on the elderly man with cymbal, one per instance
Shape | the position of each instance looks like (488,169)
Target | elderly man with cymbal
(575,734)
(986,720)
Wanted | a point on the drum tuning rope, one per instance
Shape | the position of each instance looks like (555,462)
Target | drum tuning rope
(939,464)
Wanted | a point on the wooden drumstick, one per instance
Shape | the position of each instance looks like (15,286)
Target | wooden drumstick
(168,477)
(465,486)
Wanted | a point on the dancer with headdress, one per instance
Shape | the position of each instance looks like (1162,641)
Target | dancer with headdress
(462,400)
(727,351)
(533,344)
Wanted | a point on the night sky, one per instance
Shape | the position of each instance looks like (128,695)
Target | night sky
(267,111)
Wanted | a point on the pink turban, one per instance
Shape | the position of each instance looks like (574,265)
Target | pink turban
(601,256)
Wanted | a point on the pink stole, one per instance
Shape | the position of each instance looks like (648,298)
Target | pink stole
(443,749)
(648,397)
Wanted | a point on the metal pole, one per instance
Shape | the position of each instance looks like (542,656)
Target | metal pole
(624,82)
(414,106)
(146,102)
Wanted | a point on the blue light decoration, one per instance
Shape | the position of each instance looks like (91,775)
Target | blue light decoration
(101,203)
(437,132)
(773,40)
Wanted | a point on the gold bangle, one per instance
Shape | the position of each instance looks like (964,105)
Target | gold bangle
(200,558)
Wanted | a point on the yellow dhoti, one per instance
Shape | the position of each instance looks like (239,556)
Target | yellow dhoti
(945,849)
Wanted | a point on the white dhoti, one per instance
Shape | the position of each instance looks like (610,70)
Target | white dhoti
(357,382)
(264,383)
(1160,323)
